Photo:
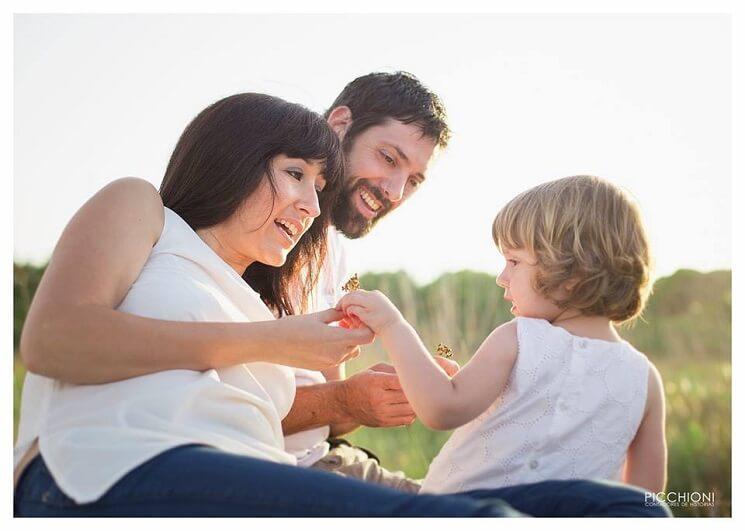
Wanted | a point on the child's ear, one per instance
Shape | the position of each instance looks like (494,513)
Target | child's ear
(570,284)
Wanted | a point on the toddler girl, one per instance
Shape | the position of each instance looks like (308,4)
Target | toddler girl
(555,393)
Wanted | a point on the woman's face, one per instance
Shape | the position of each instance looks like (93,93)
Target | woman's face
(267,226)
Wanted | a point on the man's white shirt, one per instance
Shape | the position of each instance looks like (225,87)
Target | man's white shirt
(309,446)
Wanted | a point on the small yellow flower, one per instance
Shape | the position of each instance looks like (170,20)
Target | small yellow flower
(444,350)
(352,284)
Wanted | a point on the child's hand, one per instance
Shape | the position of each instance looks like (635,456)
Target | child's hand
(369,308)
(451,367)
(351,322)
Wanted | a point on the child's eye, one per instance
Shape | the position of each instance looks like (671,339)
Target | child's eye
(512,262)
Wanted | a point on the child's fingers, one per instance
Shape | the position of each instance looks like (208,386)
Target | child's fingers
(351,323)
(355,311)
(450,366)
(352,298)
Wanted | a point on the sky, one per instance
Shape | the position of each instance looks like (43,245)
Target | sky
(643,100)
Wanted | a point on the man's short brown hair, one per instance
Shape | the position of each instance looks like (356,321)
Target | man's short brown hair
(379,96)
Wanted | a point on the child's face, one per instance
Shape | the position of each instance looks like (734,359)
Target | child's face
(517,280)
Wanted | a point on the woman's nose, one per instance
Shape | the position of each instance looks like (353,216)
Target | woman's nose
(309,204)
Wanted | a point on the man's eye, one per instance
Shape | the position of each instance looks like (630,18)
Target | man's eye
(415,183)
(390,160)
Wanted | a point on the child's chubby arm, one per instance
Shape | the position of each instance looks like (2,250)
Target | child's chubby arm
(646,460)
(440,402)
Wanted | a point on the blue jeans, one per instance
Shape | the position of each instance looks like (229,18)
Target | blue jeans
(196,480)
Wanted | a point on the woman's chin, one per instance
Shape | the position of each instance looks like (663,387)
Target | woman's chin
(277,260)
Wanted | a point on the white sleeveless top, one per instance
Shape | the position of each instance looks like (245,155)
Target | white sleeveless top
(569,410)
(90,436)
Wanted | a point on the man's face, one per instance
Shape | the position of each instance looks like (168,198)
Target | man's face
(386,164)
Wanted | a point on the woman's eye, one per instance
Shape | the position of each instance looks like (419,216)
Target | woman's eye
(295,174)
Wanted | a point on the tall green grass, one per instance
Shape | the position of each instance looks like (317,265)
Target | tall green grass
(698,437)
(698,434)
(686,332)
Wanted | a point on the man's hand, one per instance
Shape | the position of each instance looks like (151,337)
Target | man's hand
(374,398)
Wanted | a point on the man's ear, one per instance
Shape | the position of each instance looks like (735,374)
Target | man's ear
(340,118)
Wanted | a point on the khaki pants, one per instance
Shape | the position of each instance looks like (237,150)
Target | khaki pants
(351,461)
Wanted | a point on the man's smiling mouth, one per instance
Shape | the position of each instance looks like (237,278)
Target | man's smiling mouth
(369,200)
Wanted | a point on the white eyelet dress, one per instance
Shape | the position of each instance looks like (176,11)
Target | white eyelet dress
(569,410)
(90,436)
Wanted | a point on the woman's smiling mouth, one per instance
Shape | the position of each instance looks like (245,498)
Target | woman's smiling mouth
(290,229)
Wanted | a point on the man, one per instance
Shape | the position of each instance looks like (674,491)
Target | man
(391,127)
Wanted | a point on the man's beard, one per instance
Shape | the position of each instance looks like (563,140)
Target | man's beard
(348,220)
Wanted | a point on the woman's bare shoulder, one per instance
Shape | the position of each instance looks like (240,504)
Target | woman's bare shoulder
(131,198)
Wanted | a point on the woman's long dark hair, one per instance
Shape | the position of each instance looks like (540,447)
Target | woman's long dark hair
(221,159)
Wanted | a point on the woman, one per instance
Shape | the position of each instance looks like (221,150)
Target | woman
(171,299)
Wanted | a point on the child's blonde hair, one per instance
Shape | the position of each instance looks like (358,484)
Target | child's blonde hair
(585,233)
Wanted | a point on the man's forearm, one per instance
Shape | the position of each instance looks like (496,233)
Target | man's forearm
(337,430)
(315,406)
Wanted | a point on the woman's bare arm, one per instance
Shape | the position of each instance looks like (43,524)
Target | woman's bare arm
(73,332)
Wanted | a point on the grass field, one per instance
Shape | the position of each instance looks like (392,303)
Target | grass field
(686,332)
(698,435)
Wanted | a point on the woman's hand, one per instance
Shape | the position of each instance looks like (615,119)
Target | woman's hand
(371,309)
(311,343)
